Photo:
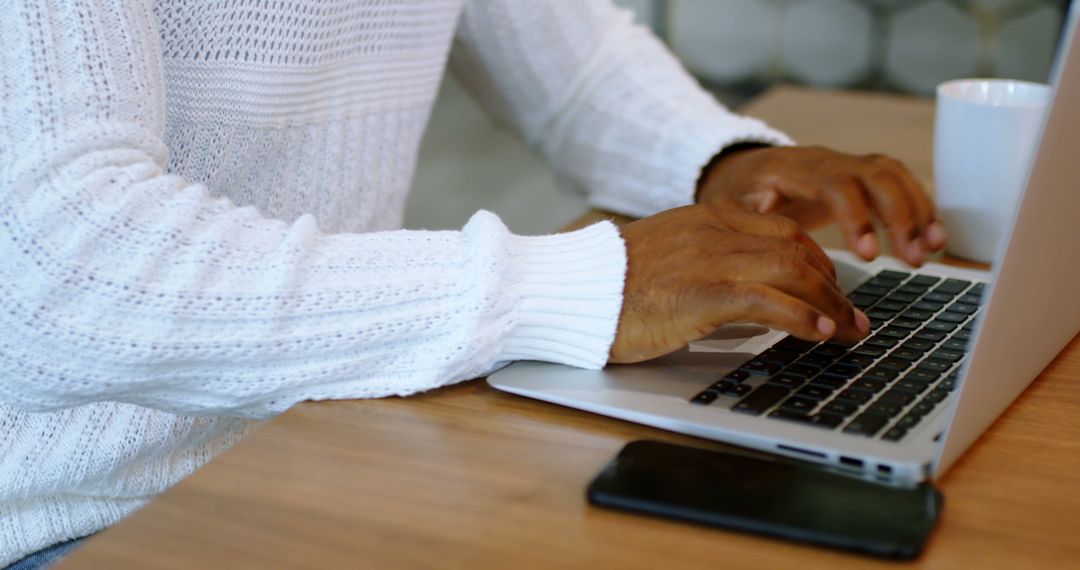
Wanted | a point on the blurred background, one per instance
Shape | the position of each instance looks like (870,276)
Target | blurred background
(738,48)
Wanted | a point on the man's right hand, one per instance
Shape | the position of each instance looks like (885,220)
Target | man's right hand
(692,269)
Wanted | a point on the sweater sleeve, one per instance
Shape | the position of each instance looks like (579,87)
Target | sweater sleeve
(599,97)
(121,282)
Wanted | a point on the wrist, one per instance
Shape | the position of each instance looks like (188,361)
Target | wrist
(712,173)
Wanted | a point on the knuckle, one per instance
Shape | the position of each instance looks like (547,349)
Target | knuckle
(785,227)
(753,295)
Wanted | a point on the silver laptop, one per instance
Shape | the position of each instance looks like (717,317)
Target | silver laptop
(950,350)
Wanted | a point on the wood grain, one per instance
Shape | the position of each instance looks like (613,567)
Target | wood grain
(466,477)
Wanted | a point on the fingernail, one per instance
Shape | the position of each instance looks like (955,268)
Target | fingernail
(867,245)
(826,326)
(936,234)
(862,321)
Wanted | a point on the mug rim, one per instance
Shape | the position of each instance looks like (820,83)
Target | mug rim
(951,90)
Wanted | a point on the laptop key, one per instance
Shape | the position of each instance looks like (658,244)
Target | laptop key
(918,345)
(955,344)
(953,286)
(802,370)
(924,280)
(886,408)
(705,398)
(939,325)
(912,386)
(799,404)
(790,381)
(778,356)
(903,352)
(962,334)
(895,433)
(866,424)
(936,395)
(856,360)
(843,371)
(947,355)
(936,297)
(932,336)
(890,306)
(737,376)
(880,314)
(951,317)
(815,392)
(917,315)
(873,290)
(793,344)
(882,341)
(962,308)
(894,362)
(871,351)
(841,407)
(831,350)
(887,282)
(815,360)
(862,301)
(901,297)
(893,275)
(894,332)
(792,416)
(901,397)
(924,407)
(760,367)
(828,420)
(869,384)
(880,374)
(909,421)
(830,382)
(908,324)
(935,365)
(928,306)
(855,396)
(924,375)
(761,399)
(738,390)
(912,289)
(970,299)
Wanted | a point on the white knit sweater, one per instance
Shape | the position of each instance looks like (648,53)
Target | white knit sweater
(201,203)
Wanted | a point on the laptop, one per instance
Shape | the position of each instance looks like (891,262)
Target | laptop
(949,351)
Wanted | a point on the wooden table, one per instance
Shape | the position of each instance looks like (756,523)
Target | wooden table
(467,477)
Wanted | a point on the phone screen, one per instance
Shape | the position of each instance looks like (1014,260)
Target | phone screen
(776,497)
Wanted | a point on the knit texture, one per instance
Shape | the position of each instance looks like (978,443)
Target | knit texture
(201,205)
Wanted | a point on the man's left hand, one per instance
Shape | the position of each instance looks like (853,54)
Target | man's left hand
(814,185)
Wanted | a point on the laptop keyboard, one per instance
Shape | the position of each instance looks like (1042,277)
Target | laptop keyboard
(882,387)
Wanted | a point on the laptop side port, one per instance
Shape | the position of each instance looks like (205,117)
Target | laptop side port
(800,451)
(851,462)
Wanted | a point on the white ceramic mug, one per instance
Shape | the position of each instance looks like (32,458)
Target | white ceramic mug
(985,133)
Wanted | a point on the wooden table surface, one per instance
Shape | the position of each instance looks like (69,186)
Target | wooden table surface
(467,477)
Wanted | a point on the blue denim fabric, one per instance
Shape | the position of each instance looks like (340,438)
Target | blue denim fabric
(46,556)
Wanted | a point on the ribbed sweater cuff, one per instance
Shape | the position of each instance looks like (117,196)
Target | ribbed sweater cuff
(570,295)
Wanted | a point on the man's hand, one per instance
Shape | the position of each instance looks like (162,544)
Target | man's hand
(814,185)
(693,269)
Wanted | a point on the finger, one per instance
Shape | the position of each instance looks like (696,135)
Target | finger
(788,272)
(761,304)
(892,204)
(850,206)
(934,230)
(776,227)
(775,247)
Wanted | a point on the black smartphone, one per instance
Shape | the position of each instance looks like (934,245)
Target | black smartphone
(769,495)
